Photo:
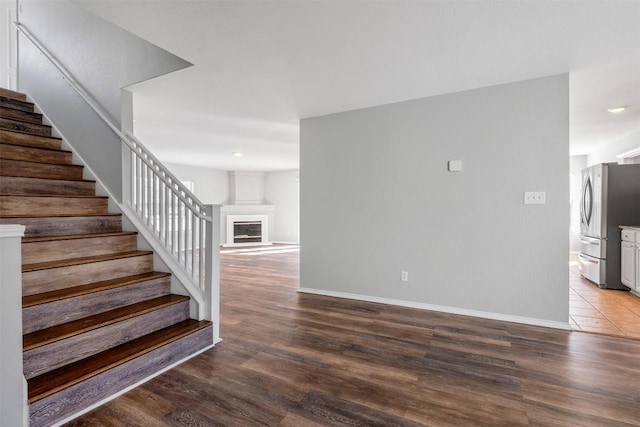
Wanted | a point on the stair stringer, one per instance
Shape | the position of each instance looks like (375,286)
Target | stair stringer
(163,260)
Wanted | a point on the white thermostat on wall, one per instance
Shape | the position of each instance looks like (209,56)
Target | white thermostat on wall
(455,165)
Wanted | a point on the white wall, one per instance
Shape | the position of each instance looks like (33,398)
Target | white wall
(609,153)
(282,190)
(376,198)
(210,185)
(576,164)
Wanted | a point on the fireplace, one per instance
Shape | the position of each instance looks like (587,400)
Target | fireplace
(247,230)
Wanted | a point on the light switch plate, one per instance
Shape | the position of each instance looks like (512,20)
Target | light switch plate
(535,197)
(455,165)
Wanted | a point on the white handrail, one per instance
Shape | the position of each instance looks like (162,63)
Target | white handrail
(174,215)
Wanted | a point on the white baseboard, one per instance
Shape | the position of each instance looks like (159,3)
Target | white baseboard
(444,309)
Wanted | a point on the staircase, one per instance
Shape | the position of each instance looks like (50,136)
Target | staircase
(96,317)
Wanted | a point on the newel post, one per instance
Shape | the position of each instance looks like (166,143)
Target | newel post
(14,407)
(126,124)
(212,269)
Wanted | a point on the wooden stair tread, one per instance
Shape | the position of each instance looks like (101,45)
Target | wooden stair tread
(8,112)
(45,215)
(69,375)
(43,337)
(25,122)
(25,164)
(9,101)
(49,204)
(45,155)
(48,179)
(13,94)
(25,185)
(35,148)
(75,236)
(64,196)
(17,104)
(84,260)
(25,126)
(60,294)
(29,135)
(52,179)
(6,103)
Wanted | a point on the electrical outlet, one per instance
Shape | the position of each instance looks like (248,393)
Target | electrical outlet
(404,276)
(535,197)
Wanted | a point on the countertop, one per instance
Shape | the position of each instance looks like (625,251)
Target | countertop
(632,227)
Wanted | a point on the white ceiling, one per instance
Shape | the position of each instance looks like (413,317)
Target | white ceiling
(260,66)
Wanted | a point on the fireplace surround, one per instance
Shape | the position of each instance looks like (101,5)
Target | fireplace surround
(247,230)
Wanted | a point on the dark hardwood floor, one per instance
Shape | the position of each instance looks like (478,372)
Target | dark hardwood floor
(292,359)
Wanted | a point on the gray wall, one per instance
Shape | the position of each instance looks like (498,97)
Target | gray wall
(376,198)
(103,58)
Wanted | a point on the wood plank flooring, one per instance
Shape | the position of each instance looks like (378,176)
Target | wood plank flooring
(291,359)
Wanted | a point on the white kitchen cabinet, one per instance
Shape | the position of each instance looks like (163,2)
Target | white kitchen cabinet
(630,259)
(628,264)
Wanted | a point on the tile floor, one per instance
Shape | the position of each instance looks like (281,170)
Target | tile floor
(602,311)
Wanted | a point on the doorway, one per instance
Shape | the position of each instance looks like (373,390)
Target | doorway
(591,309)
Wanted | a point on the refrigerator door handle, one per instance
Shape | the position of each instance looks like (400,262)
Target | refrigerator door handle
(595,242)
(582,206)
(587,201)
(585,259)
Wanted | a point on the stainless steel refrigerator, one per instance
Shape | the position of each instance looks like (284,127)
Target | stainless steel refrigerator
(610,198)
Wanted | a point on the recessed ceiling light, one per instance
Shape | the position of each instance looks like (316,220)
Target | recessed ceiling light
(618,109)
(237,154)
